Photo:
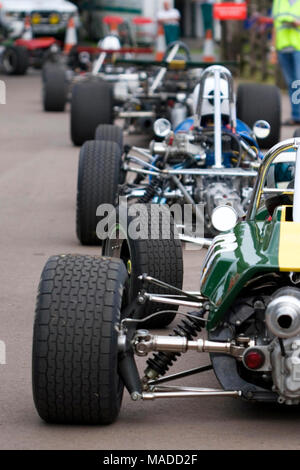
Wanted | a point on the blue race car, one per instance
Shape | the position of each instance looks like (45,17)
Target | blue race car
(209,160)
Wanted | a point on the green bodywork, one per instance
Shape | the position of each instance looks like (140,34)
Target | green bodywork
(232,263)
(251,249)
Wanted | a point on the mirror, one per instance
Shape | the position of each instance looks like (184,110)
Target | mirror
(224,218)
(162,128)
(262,129)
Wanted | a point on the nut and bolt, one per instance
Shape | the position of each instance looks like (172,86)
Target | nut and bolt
(135,396)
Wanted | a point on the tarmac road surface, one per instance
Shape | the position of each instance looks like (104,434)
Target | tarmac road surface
(38,170)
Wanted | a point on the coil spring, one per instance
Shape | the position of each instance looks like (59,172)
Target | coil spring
(160,363)
(151,191)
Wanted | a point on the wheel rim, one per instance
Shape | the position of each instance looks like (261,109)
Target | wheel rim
(116,247)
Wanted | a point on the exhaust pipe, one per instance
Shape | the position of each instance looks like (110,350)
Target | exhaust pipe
(283,314)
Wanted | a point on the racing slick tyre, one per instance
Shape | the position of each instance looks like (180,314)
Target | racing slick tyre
(54,89)
(110,133)
(297,133)
(157,251)
(47,66)
(75,343)
(255,102)
(91,105)
(98,180)
(15,60)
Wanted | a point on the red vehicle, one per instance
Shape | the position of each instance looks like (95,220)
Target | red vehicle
(23,53)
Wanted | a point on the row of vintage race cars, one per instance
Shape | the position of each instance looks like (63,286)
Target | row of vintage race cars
(94,314)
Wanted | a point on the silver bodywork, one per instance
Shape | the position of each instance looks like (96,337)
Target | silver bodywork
(213,185)
(134,91)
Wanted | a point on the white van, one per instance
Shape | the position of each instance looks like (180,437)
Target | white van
(48,18)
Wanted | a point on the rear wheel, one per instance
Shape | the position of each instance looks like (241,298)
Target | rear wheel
(75,343)
(297,133)
(98,180)
(47,65)
(156,251)
(15,60)
(54,89)
(91,105)
(255,102)
(110,133)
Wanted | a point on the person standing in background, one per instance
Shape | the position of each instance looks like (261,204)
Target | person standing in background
(286,47)
(207,13)
(169,18)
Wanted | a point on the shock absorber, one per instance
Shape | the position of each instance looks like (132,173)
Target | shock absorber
(160,363)
(151,191)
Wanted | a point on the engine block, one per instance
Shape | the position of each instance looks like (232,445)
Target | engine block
(286,371)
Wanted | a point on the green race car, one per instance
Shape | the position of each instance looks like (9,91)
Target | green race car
(94,313)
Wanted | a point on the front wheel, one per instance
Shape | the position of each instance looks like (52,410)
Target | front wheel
(98,180)
(256,102)
(154,250)
(75,343)
(91,105)
(54,89)
(15,60)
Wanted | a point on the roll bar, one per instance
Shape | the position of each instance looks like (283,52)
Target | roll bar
(286,145)
(218,73)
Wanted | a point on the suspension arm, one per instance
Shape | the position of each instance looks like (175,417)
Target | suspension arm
(197,393)
(226,172)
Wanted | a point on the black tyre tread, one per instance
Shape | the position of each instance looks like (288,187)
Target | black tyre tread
(297,132)
(98,179)
(21,60)
(47,66)
(54,89)
(161,259)
(110,132)
(75,378)
(91,105)
(257,101)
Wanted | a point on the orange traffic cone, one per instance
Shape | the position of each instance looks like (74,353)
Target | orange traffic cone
(113,23)
(161,45)
(27,34)
(209,47)
(71,36)
(114,28)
